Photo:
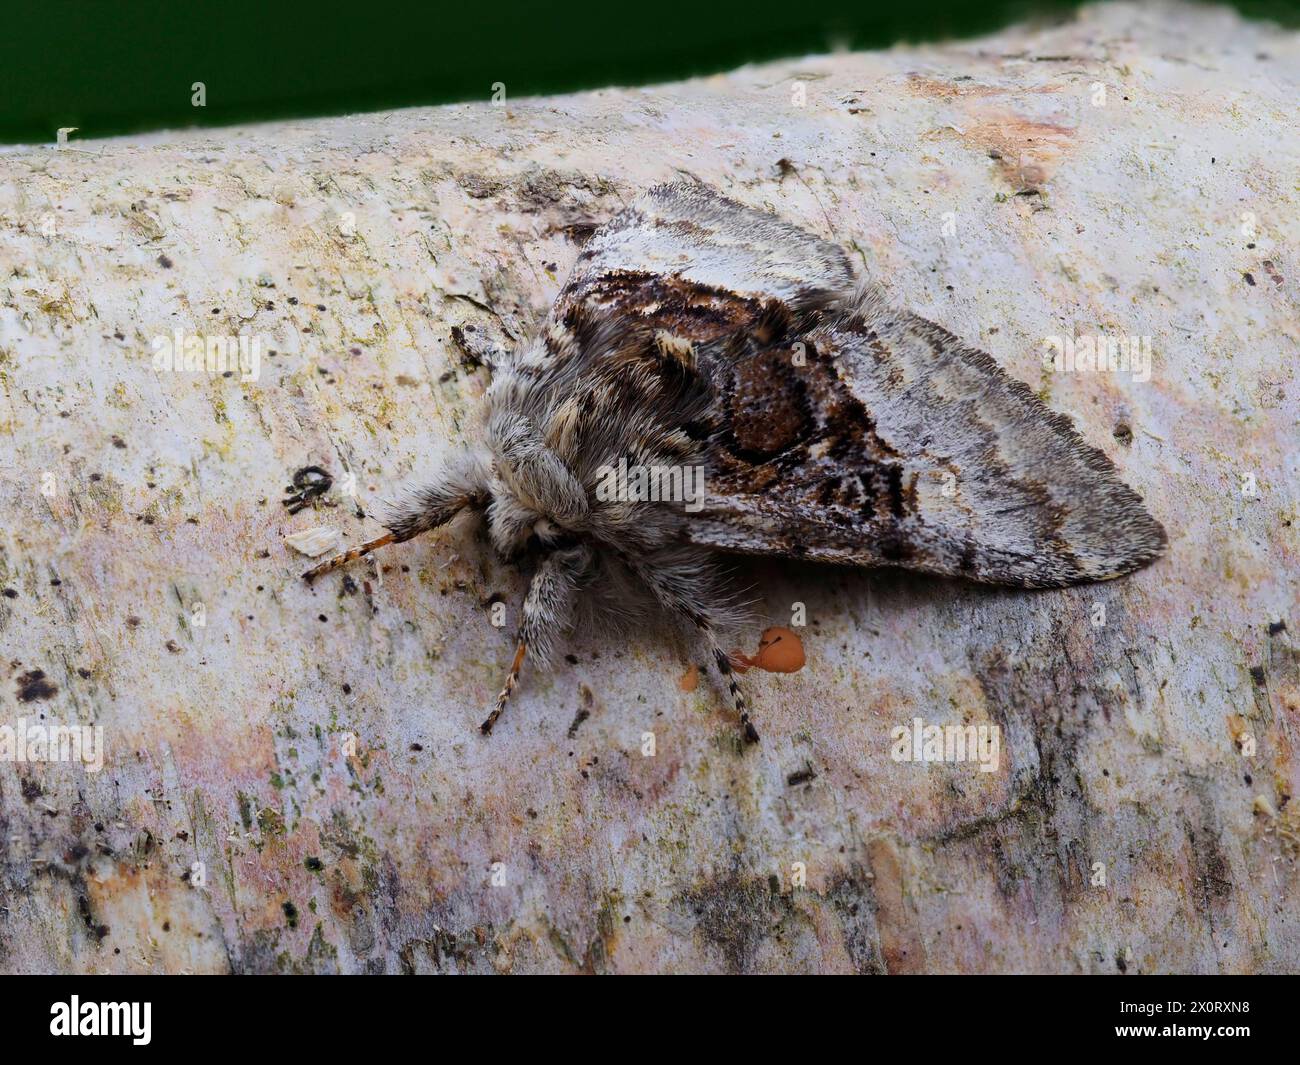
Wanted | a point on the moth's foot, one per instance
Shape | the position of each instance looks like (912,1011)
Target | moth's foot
(486,727)
(355,553)
(512,678)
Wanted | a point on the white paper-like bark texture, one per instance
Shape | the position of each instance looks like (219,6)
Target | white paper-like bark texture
(292,776)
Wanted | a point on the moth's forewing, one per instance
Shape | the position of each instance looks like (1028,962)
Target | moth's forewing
(894,443)
(698,266)
(833,428)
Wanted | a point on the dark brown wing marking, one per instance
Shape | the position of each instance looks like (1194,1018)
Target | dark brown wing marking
(913,449)
(697,266)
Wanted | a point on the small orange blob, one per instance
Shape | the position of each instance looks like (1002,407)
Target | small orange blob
(779,651)
(689,679)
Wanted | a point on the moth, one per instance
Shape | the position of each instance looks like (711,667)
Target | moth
(697,334)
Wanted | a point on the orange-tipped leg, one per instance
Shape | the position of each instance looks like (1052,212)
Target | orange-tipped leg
(348,556)
(512,678)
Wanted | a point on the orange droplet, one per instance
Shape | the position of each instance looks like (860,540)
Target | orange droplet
(779,651)
(689,679)
(740,661)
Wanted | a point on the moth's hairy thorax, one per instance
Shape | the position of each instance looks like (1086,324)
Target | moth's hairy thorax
(575,403)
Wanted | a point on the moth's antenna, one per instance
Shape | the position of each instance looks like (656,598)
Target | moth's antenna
(349,556)
(512,678)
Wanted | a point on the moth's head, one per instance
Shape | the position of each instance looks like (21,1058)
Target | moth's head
(534,498)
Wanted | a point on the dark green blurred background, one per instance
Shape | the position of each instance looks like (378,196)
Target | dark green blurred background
(120,67)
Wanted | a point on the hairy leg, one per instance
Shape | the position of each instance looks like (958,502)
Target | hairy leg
(350,555)
(686,583)
(461,484)
(548,612)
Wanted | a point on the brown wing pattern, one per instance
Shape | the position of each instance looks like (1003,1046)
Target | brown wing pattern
(896,444)
(697,266)
(833,427)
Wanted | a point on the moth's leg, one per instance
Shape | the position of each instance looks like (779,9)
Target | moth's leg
(461,484)
(723,662)
(684,582)
(548,612)
(512,678)
(482,345)
(351,555)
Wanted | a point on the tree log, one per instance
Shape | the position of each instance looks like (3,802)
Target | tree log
(293,778)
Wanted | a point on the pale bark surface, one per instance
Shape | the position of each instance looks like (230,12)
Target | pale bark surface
(355,246)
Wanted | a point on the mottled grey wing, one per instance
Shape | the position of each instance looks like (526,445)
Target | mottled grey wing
(894,443)
(699,266)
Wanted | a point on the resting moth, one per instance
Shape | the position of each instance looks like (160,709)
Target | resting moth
(696,333)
